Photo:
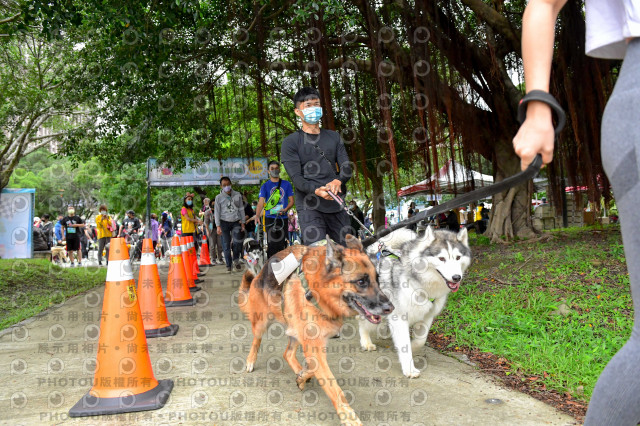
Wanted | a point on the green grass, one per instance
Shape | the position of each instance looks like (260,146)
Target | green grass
(29,286)
(509,301)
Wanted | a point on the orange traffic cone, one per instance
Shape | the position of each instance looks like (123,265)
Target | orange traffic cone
(123,379)
(154,312)
(186,261)
(193,257)
(205,259)
(177,284)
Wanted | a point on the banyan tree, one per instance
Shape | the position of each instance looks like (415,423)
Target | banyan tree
(447,75)
(408,83)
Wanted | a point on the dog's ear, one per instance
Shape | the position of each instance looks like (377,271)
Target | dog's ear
(353,243)
(429,235)
(463,237)
(334,256)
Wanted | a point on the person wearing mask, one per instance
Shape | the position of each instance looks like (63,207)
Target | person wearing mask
(276,198)
(189,221)
(36,222)
(104,226)
(47,229)
(73,227)
(317,162)
(229,219)
(612,32)
(293,227)
(213,239)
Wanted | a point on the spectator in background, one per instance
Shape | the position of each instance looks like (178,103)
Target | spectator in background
(73,226)
(39,240)
(167,226)
(86,238)
(189,221)
(58,230)
(481,224)
(452,221)
(201,213)
(250,219)
(47,229)
(104,226)
(166,232)
(293,226)
(213,239)
(155,230)
(368,222)
(276,198)
(410,213)
(229,219)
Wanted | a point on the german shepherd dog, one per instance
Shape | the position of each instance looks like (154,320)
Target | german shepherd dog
(341,281)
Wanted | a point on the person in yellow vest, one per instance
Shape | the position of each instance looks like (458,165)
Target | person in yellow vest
(189,220)
(478,215)
(104,226)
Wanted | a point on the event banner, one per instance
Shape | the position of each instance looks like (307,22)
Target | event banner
(16,222)
(242,171)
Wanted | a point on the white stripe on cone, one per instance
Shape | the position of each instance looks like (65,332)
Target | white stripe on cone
(147,259)
(119,270)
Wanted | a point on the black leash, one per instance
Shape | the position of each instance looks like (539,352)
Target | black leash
(515,180)
(349,212)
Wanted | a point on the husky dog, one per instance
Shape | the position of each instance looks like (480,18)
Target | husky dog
(417,278)
(253,255)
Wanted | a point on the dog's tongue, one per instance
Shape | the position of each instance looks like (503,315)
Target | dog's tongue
(453,286)
(374,319)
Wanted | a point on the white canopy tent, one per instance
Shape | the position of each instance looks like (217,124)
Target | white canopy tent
(452,178)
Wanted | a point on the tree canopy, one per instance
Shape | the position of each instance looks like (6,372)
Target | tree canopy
(408,84)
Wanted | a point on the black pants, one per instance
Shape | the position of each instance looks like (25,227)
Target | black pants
(315,226)
(277,229)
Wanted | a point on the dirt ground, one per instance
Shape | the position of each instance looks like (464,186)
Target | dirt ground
(47,363)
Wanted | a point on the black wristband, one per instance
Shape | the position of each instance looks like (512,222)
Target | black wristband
(547,98)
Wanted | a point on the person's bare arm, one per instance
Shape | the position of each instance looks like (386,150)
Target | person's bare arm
(259,209)
(289,205)
(536,135)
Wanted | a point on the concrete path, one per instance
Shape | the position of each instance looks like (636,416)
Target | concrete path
(46,365)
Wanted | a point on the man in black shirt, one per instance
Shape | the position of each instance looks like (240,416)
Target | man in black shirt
(73,226)
(317,162)
(132,220)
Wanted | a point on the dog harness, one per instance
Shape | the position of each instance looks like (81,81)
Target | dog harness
(307,291)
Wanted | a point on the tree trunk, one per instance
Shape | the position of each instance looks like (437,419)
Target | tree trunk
(379,210)
(511,211)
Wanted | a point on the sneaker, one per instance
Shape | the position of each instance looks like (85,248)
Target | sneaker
(229,269)
(238,265)
(99,263)
(73,265)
